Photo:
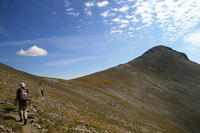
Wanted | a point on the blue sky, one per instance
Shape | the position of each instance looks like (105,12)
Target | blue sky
(72,38)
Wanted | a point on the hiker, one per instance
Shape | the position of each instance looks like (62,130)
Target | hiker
(42,91)
(23,100)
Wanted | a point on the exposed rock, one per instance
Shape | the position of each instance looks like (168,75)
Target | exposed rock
(44,130)
(33,108)
(9,130)
(37,125)
(2,101)
(2,127)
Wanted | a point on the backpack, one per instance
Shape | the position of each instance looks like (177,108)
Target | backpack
(23,94)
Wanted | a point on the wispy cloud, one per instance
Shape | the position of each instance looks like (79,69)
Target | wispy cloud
(69,10)
(174,18)
(9,43)
(88,11)
(119,20)
(88,8)
(122,9)
(63,42)
(89,4)
(71,13)
(107,14)
(75,60)
(11,60)
(102,3)
(116,31)
(67,3)
(33,51)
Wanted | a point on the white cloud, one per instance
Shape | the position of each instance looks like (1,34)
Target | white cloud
(145,11)
(120,1)
(193,38)
(73,14)
(124,21)
(33,51)
(107,14)
(69,10)
(122,9)
(116,31)
(102,3)
(122,25)
(118,20)
(132,19)
(130,16)
(89,4)
(88,11)
(174,17)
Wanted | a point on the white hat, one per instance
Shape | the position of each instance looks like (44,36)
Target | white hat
(22,84)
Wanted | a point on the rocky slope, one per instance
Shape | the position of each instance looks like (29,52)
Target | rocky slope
(157,92)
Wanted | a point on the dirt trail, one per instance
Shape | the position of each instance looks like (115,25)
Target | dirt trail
(12,117)
(29,129)
(24,128)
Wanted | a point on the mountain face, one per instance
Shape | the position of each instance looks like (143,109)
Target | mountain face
(162,81)
(156,92)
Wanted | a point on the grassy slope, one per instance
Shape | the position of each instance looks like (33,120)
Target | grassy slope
(161,81)
(70,106)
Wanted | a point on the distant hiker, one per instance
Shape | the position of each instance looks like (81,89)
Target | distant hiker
(23,100)
(42,91)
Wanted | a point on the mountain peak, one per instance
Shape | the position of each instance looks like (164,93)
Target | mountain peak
(161,47)
(164,51)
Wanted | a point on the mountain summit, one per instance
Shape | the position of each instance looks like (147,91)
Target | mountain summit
(166,60)
(156,92)
(164,52)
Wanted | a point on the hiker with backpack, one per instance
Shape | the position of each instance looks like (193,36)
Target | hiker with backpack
(23,100)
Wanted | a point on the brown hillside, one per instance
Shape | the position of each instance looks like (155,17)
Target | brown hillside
(162,80)
(157,92)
